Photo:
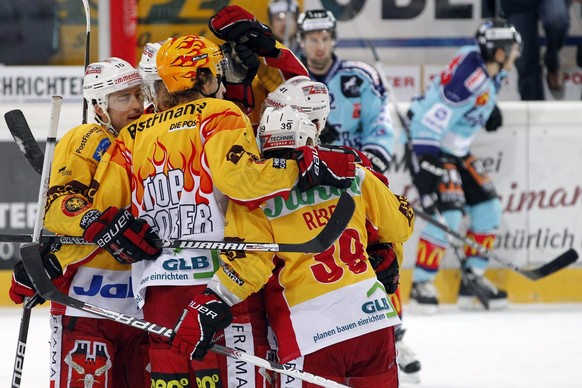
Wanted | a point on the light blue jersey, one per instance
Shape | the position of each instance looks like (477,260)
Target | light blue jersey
(359,109)
(455,105)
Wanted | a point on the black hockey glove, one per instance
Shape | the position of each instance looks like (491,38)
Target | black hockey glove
(22,286)
(234,24)
(383,260)
(426,181)
(329,134)
(429,174)
(242,92)
(495,120)
(379,162)
(126,238)
(206,314)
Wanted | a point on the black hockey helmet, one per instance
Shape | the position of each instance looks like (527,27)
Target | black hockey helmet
(494,34)
(316,20)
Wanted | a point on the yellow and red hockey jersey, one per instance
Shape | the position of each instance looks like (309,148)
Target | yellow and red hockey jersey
(176,169)
(316,300)
(92,275)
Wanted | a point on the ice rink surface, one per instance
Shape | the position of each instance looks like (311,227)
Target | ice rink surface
(525,346)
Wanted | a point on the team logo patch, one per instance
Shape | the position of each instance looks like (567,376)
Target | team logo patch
(88,363)
(351,86)
(73,205)
(231,254)
(235,154)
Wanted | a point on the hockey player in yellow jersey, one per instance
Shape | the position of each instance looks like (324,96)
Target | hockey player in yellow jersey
(176,168)
(330,314)
(82,345)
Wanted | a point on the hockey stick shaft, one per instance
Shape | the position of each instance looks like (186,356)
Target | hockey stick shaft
(329,234)
(56,103)
(33,263)
(565,259)
(87,9)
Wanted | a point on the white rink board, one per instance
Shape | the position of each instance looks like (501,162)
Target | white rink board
(537,153)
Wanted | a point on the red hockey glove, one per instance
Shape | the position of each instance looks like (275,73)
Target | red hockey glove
(227,19)
(126,238)
(331,166)
(234,24)
(383,260)
(22,286)
(205,315)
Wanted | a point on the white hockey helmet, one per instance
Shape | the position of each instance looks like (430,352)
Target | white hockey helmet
(305,95)
(106,77)
(285,128)
(148,70)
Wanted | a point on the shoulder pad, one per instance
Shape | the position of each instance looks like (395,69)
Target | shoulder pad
(465,76)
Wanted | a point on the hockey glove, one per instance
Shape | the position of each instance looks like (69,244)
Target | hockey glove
(242,92)
(126,238)
(383,260)
(22,286)
(379,162)
(495,120)
(429,174)
(329,134)
(205,315)
(331,166)
(234,24)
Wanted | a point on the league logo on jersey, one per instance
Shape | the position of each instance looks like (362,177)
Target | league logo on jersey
(351,86)
(89,362)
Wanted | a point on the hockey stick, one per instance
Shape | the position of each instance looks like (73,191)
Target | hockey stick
(24,139)
(87,50)
(413,167)
(19,126)
(33,263)
(562,261)
(331,231)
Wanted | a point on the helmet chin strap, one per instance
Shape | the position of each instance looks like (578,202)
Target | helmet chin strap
(107,125)
(213,95)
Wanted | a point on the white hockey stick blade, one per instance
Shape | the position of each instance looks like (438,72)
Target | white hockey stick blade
(32,260)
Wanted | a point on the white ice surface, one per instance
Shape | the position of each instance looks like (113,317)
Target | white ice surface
(525,346)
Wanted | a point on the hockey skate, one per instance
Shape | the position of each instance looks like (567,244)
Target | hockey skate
(423,298)
(479,283)
(408,363)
